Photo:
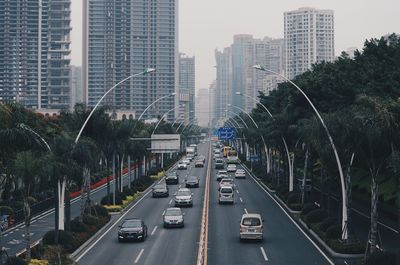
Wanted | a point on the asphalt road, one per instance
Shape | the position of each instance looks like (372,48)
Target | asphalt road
(284,243)
(163,246)
(14,239)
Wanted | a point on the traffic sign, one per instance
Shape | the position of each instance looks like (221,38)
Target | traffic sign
(226,133)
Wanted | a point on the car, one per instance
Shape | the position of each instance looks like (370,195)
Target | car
(173,217)
(216,156)
(219,164)
(240,173)
(190,158)
(226,182)
(172,178)
(226,195)
(160,190)
(222,174)
(251,227)
(132,229)
(199,163)
(202,158)
(182,165)
(231,168)
(192,182)
(183,197)
(186,161)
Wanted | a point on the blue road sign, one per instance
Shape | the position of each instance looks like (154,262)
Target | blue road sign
(226,133)
(255,158)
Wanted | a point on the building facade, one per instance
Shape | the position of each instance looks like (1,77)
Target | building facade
(123,38)
(309,39)
(187,77)
(203,107)
(223,93)
(35,53)
(76,85)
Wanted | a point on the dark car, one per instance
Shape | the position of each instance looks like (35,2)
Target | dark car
(192,182)
(132,230)
(172,178)
(160,190)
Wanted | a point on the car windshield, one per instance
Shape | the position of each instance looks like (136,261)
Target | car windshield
(251,221)
(222,172)
(226,181)
(193,178)
(173,212)
(226,190)
(160,187)
(183,193)
(131,224)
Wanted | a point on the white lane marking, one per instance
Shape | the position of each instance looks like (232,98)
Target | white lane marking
(138,256)
(154,230)
(245,210)
(264,254)
(290,218)
(5,235)
(34,221)
(170,201)
(163,213)
(16,229)
(11,232)
(241,200)
(237,191)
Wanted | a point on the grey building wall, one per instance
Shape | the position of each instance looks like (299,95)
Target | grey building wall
(187,77)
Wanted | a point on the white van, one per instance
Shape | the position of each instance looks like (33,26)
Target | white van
(251,227)
(226,195)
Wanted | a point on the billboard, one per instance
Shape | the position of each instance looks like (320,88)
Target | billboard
(165,143)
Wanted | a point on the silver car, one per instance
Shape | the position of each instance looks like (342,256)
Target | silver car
(173,217)
(183,197)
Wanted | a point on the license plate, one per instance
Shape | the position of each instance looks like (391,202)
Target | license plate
(251,230)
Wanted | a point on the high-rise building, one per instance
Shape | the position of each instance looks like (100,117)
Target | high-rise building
(186,88)
(309,39)
(76,85)
(223,92)
(123,38)
(34,53)
(203,107)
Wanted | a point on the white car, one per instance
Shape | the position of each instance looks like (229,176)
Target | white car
(182,165)
(226,182)
(240,173)
(251,227)
(222,174)
(231,168)
(186,161)
(226,195)
(183,197)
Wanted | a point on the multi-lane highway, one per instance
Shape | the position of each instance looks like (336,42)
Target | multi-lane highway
(163,246)
(284,242)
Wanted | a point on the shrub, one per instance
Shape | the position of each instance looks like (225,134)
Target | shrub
(101,211)
(16,261)
(354,248)
(78,227)
(308,207)
(295,206)
(64,238)
(90,220)
(381,258)
(325,224)
(293,197)
(39,262)
(118,199)
(55,254)
(316,216)
(127,191)
(334,232)
(16,205)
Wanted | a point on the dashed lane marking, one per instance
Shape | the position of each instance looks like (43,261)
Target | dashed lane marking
(241,200)
(138,256)
(264,254)
(245,210)
(154,230)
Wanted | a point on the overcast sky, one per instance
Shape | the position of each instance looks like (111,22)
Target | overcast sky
(208,24)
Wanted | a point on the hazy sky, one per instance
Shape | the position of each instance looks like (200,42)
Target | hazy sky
(208,24)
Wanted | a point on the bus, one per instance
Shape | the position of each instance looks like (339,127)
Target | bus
(232,157)
(226,149)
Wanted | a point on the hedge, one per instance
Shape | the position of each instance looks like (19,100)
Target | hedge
(381,258)
(316,216)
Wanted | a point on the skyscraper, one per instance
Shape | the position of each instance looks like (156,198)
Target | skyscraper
(122,38)
(34,53)
(309,39)
(223,92)
(76,85)
(187,87)
(203,107)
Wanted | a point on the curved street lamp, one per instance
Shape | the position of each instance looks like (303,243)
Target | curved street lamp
(154,102)
(339,165)
(290,159)
(147,71)
(166,113)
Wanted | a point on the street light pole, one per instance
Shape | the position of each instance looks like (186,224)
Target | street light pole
(154,102)
(339,165)
(162,117)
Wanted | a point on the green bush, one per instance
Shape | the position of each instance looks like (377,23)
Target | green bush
(293,197)
(354,248)
(6,210)
(16,261)
(65,238)
(381,258)
(316,216)
(118,199)
(334,232)
(16,205)
(308,207)
(101,211)
(78,227)
(325,224)
(295,206)
(90,220)
(127,191)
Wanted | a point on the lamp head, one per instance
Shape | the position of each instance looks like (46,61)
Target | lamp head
(259,67)
(238,93)
(149,70)
(173,94)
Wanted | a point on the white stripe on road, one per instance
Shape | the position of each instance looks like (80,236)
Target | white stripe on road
(237,191)
(140,254)
(264,254)
(170,201)
(163,213)
(245,210)
(241,200)
(154,230)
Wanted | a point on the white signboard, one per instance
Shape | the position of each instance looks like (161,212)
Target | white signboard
(165,143)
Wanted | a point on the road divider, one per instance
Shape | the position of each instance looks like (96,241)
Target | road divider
(203,243)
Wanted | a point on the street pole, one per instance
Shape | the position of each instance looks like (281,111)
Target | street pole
(339,165)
